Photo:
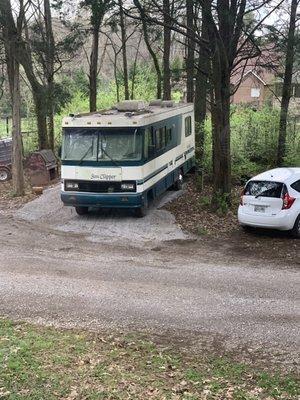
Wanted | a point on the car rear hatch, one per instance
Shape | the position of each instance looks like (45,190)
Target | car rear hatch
(263,198)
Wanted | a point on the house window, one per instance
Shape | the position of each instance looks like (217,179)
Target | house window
(188,126)
(255,92)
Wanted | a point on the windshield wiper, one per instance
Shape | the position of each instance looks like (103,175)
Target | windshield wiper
(107,155)
(85,154)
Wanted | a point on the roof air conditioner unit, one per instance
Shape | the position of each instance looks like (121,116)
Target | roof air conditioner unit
(167,103)
(131,105)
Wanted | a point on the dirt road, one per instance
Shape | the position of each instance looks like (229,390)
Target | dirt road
(144,282)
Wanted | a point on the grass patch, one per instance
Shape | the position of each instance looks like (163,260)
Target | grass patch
(45,363)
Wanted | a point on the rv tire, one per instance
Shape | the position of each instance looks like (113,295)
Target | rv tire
(141,212)
(81,210)
(179,183)
(5,175)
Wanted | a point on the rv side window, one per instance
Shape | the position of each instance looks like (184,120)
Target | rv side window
(149,143)
(168,136)
(188,126)
(160,136)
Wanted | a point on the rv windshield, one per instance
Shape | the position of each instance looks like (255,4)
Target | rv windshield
(81,144)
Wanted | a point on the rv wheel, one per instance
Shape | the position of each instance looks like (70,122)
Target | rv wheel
(179,183)
(4,175)
(82,210)
(142,211)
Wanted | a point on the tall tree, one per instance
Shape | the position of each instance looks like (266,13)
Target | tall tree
(98,9)
(124,49)
(166,52)
(190,59)
(49,69)
(287,83)
(13,72)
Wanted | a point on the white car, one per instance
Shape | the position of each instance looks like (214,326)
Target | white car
(272,200)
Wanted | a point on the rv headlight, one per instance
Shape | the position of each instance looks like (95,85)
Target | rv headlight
(127,186)
(72,185)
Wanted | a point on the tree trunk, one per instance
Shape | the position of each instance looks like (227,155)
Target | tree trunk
(49,70)
(124,51)
(41,110)
(201,87)
(134,68)
(287,85)
(166,55)
(17,151)
(51,129)
(221,142)
(94,70)
(190,51)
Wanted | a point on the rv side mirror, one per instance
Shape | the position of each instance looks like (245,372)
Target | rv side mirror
(59,151)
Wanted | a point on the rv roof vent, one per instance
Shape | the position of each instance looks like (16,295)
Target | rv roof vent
(155,103)
(167,103)
(131,105)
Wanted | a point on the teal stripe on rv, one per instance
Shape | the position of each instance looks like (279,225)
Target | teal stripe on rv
(140,182)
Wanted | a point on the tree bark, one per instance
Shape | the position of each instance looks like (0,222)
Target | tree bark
(166,54)
(17,151)
(124,51)
(94,69)
(134,68)
(13,72)
(41,111)
(49,66)
(190,51)
(201,87)
(287,84)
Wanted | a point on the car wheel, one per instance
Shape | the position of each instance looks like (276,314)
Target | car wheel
(141,212)
(179,183)
(82,210)
(5,175)
(296,229)
(247,229)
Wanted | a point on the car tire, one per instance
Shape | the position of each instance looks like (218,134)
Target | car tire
(81,210)
(141,212)
(5,175)
(178,185)
(296,229)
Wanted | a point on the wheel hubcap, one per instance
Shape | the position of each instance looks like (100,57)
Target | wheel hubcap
(3,175)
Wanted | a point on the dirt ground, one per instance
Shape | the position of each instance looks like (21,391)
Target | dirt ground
(73,271)
(191,213)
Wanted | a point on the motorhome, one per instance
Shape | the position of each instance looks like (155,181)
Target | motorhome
(126,156)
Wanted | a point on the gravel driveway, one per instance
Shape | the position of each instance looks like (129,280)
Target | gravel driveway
(112,271)
(106,225)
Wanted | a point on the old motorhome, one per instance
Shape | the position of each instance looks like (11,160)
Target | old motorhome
(126,156)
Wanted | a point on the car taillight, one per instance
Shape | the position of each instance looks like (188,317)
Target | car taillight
(288,201)
(241,200)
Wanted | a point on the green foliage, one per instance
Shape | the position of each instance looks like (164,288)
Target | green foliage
(220,203)
(254,136)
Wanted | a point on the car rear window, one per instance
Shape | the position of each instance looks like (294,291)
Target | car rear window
(296,186)
(264,188)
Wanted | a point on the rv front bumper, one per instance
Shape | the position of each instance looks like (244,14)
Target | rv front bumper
(117,200)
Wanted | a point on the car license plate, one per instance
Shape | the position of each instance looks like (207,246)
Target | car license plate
(261,209)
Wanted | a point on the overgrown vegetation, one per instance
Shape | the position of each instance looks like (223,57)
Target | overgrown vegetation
(44,363)
(254,132)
